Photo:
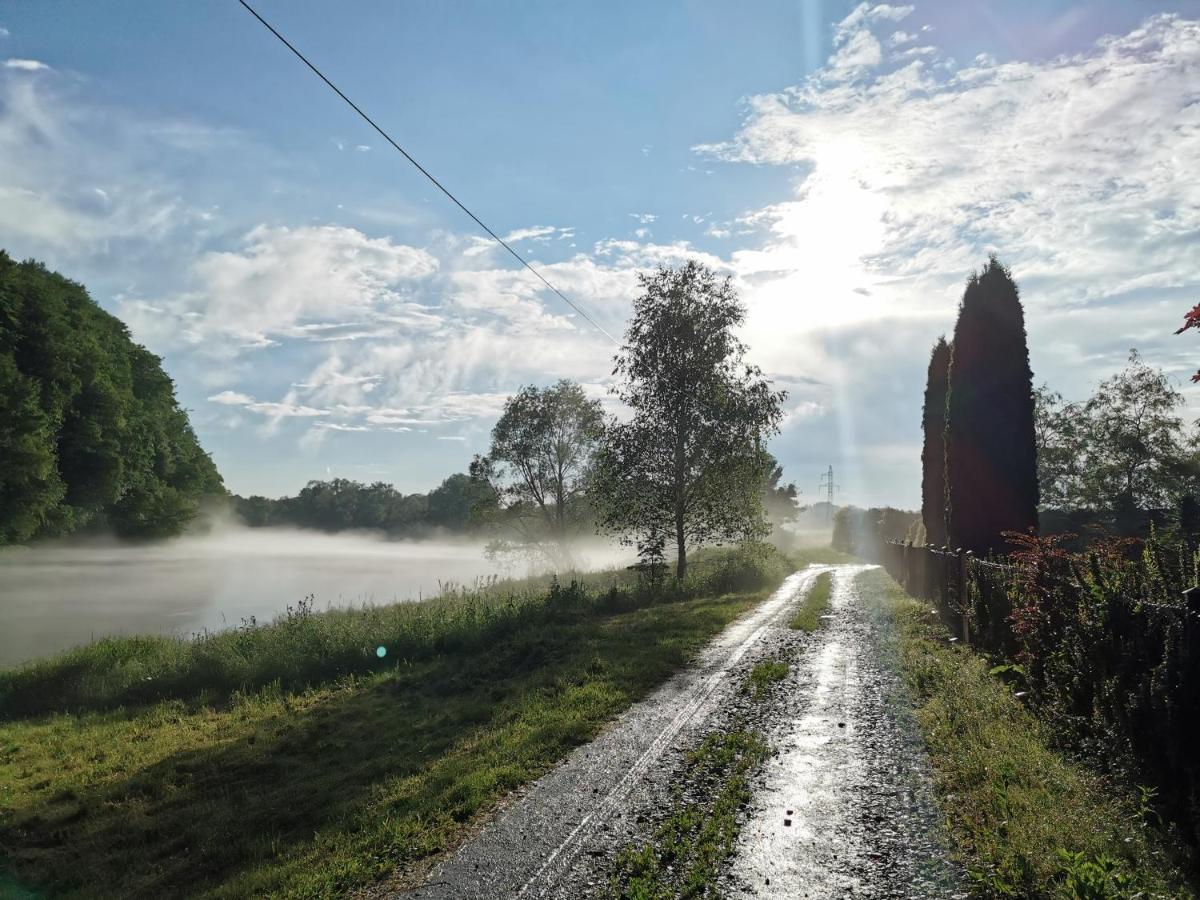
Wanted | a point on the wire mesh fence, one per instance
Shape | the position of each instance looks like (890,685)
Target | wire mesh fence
(1106,649)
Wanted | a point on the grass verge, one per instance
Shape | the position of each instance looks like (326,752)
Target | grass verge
(1026,820)
(685,853)
(815,604)
(317,786)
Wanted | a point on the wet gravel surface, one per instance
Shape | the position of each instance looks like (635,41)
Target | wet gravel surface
(861,822)
(845,807)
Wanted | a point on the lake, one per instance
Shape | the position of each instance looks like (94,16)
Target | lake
(57,596)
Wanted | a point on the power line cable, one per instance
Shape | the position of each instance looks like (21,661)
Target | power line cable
(387,137)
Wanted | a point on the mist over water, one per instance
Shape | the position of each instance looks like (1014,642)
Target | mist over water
(56,596)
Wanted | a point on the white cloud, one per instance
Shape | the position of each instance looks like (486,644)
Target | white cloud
(911,172)
(287,408)
(322,283)
(26,65)
(1069,168)
(4,32)
(644,218)
(231,398)
(540,233)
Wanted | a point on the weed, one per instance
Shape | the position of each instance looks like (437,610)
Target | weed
(815,604)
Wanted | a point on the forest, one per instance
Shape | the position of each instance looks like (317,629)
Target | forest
(91,434)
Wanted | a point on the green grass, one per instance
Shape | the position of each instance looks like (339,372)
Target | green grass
(814,605)
(766,673)
(687,848)
(249,775)
(1027,820)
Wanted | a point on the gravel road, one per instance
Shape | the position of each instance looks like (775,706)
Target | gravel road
(862,821)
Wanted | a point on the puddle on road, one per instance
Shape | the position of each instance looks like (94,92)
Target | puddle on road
(794,834)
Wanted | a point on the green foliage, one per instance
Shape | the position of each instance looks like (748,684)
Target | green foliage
(991,454)
(688,847)
(90,431)
(779,500)
(688,467)
(1120,451)
(1011,800)
(933,448)
(1107,652)
(271,791)
(765,674)
(816,603)
(458,504)
(539,466)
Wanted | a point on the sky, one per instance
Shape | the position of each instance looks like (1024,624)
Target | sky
(325,312)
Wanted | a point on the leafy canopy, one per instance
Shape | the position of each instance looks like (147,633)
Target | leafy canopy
(688,467)
(90,431)
(1124,448)
(540,463)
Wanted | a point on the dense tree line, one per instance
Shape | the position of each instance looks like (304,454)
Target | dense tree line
(90,432)
(458,504)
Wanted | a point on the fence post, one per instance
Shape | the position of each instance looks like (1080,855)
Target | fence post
(1192,598)
(966,596)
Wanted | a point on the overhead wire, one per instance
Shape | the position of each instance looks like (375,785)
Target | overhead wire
(420,168)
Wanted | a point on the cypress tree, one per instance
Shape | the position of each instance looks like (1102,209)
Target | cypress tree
(991,453)
(933,450)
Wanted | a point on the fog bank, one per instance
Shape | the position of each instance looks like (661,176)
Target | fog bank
(57,595)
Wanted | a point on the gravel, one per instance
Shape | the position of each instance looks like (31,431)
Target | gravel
(848,775)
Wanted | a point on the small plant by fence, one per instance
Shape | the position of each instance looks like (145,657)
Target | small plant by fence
(1105,647)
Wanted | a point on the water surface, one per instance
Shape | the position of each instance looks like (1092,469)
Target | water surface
(57,596)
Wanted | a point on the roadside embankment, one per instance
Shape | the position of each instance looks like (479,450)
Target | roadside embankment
(293,759)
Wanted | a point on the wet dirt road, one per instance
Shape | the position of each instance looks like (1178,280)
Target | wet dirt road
(861,821)
(845,807)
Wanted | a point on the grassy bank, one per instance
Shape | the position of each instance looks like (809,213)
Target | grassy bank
(291,760)
(1026,820)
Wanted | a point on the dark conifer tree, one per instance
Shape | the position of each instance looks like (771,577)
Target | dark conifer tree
(933,450)
(991,453)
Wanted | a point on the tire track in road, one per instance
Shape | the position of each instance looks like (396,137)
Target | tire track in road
(532,848)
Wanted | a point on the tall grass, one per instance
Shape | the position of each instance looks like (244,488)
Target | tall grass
(304,648)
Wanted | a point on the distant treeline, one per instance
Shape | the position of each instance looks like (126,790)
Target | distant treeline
(91,435)
(458,504)
(863,532)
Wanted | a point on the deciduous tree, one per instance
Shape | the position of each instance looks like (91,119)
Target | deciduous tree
(687,466)
(540,462)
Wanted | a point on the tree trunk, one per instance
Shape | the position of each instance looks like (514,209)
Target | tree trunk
(681,546)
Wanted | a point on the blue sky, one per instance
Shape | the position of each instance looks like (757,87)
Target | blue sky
(325,312)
